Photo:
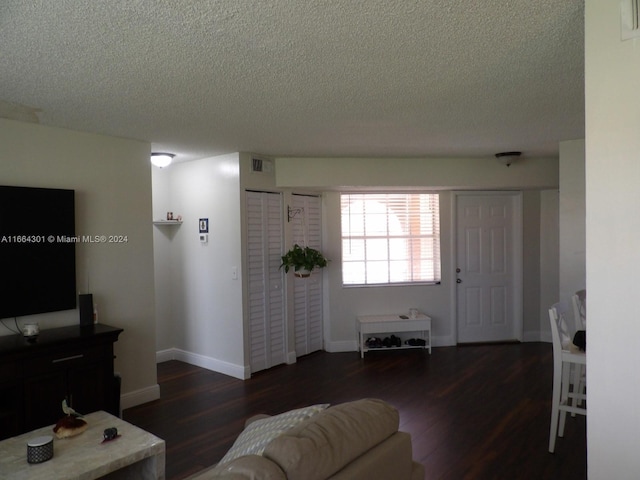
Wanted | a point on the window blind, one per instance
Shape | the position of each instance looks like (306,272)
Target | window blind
(390,238)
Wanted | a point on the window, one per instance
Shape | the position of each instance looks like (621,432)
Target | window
(390,238)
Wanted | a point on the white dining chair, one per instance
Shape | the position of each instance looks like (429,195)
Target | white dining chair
(565,356)
(579,301)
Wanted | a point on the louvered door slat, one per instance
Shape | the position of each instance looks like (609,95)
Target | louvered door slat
(266,297)
(307,292)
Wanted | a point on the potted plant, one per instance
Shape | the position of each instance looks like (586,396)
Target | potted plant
(303,260)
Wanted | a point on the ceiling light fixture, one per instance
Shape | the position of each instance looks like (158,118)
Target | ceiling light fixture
(161,159)
(507,158)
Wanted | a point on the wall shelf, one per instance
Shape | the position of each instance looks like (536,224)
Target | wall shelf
(167,222)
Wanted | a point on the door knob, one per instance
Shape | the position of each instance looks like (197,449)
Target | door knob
(458,281)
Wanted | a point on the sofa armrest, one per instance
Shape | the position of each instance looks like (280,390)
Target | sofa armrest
(325,443)
(389,460)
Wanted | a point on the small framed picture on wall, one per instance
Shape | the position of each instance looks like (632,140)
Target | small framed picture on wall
(204,225)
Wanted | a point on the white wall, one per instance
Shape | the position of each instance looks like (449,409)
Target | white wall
(199,303)
(190,326)
(112,181)
(344,304)
(562,234)
(439,173)
(549,255)
(347,303)
(572,219)
(201,309)
(612,239)
(163,259)
(531,264)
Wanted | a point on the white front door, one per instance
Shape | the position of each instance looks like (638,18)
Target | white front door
(488,266)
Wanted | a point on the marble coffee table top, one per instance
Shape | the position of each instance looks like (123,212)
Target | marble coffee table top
(85,456)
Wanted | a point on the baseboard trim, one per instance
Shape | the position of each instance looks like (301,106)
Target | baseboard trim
(138,397)
(291,358)
(165,355)
(342,346)
(213,364)
(537,336)
(447,341)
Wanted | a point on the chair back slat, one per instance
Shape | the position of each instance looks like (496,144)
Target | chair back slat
(579,301)
(560,333)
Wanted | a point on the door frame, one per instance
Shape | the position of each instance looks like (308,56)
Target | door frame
(517,259)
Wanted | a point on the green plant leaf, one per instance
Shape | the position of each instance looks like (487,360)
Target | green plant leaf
(303,258)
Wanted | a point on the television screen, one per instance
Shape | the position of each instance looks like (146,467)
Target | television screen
(37,251)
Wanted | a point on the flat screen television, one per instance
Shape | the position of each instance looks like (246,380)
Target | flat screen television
(37,251)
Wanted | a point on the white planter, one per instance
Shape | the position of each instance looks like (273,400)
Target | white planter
(302,273)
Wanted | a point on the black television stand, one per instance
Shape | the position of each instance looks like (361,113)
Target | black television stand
(73,363)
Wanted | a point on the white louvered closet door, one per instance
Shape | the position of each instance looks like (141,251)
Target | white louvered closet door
(267,334)
(307,292)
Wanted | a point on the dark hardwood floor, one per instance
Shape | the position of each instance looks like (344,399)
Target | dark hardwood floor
(474,412)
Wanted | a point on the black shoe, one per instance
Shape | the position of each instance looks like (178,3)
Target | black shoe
(373,342)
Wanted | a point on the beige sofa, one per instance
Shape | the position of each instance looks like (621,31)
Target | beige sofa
(354,440)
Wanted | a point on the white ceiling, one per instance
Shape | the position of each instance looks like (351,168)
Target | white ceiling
(301,77)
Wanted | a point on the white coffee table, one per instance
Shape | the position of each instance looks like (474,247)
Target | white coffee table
(136,454)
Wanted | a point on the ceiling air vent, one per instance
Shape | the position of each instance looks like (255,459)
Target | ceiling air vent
(630,19)
(261,166)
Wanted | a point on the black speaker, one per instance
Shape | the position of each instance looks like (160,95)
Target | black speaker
(86,309)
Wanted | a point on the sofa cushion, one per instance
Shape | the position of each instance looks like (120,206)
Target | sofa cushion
(321,446)
(248,467)
(258,434)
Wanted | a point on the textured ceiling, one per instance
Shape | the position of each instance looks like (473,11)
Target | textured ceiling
(301,77)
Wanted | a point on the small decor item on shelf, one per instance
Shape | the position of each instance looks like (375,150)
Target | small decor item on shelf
(71,424)
(303,260)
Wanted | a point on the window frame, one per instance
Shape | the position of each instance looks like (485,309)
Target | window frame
(435,225)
